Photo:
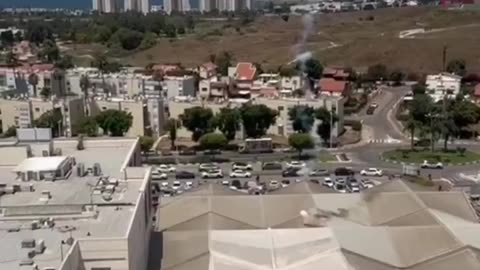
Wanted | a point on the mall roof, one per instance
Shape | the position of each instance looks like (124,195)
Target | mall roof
(388,227)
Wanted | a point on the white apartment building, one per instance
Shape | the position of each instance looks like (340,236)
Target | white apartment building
(176,5)
(224,5)
(22,112)
(443,84)
(282,127)
(178,86)
(105,6)
(137,5)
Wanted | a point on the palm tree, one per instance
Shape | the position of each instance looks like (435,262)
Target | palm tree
(33,81)
(84,85)
(411,125)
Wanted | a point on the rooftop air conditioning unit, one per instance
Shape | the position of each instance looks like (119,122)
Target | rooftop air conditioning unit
(97,171)
(28,243)
(80,169)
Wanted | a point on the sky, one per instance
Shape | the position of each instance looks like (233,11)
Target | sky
(54,3)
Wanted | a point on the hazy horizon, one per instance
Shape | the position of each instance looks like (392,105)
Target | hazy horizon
(82,4)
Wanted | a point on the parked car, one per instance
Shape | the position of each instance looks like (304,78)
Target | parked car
(212,152)
(164,184)
(176,185)
(271,166)
(187,152)
(241,166)
(339,187)
(285,183)
(352,182)
(207,167)
(370,110)
(274,184)
(328,182)
(342,171)
(296,164)
(319,172)
(292,172)
(188,185)
(353,189)
(225,183)
(164,168)
(366,184)
(159,176)
(212,174)
(240,174)
(184,175)
(430,165)
(371,172)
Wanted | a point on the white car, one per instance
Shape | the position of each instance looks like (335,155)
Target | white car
(164,184)
(240,174)
(212,174)
(285,183)
(176,185)
(371,172)
(207,167)
(328,182)
(296,164)
(188,185)
(354,189)
(159,176)
(274,184)
(166,168)
(225,182)
(241,166)
(427,165)
(366,184)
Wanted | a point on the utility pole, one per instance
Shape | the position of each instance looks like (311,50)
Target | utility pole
(331,126)
(444,59)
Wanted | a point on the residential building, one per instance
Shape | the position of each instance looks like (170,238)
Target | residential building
(174,86)
(244,75)
(336,73)
(176,5)
(137,5)
(105,6)
(289,84)
(224,5)
(282,127)
(476,94)
(25,51)
(443,85)
(332,87)
(22,112)
(62,216)
(207,70)
(148,113)
(305,226)
(214,88)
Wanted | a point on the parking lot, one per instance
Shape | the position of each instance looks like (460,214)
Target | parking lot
(258,177)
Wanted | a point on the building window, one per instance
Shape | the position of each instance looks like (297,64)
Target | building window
(104,108)
(204,89)
(280,108)
(65,109)
(37,109)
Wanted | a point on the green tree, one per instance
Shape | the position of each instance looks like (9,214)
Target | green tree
(420,107)
(129,39)
(286,71)
(313,70)
(213,141)
(64,62)
(300,142)
(7,38)
(302,118)
(457,66)
(146,143)
(170,30)
(257,119)
(327,121)
(190,22)
(228,122)
(46,92)
(172,126)
(50,119)
(115,122)
(181,30)
(149,40)
(49,52)
(198,120)
(419,89)
(411,125)
(10,132)
(377,72)
(397,77)
(33,81)
(223,61)
(84,85)
(12,61)
(88,126)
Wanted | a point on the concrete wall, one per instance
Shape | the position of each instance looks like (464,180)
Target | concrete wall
(137,110)
(139,233)
(15,113)
(73,260)
(13,155)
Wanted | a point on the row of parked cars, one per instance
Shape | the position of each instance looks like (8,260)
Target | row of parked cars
(347,184)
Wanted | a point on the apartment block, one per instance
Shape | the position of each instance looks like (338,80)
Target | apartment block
(137,5)
(178,86)
(224,5)
(443,85)
(282,127)
(78,210)
(22,112)
(148,114)
(105,6)
(176,5)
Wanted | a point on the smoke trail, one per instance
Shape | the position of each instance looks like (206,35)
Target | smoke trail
(300,49)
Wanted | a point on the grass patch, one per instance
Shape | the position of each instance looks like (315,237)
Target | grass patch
(418,156)
(326,157)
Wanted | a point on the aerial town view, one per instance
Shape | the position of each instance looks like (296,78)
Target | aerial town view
(239,134)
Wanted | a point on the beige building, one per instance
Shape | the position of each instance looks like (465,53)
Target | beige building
(79,221)
(148,114)
(22,112)
(283,126)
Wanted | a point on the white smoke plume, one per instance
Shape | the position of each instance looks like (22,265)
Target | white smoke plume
(300,49)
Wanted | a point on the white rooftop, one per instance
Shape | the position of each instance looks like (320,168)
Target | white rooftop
(40,164)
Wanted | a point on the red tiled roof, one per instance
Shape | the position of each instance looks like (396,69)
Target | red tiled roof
(331,85)
(477,90)
(335,72)
(209,66)
(245,71)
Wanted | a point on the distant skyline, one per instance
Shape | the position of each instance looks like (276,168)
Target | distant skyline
(82,4)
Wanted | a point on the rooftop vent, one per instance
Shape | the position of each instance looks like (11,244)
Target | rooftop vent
(28,243)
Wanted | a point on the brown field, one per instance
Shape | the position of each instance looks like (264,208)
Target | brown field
(361,42)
